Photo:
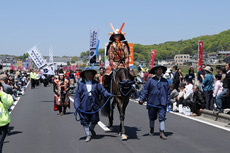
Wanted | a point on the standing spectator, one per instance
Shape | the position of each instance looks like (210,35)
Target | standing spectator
(208,87)
(218,86)
(1,69)
(6,101)
(221,70)
(176,78)
(157,92)
(226,90)
(181,76)
(200,74)
(140,73)
(167,76)
(189,77)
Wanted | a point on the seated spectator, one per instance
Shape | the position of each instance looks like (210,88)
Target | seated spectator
(188,90)
(181,94)
(197,102)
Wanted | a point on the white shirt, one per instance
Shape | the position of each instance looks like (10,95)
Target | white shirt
(89,86)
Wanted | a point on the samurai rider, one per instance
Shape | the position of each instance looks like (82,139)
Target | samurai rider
(117,50)
(157,92)
(86,101)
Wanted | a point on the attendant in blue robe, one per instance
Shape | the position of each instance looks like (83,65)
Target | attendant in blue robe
(87,100)
(157,92)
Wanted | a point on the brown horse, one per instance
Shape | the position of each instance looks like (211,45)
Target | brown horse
(121,81)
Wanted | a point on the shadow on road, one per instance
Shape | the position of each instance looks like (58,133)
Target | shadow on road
(158,134)
(10,132)
(47,101)
(98,136)
(131,132)
(69,113)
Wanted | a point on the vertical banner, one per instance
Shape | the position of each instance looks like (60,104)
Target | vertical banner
(51,64)
(19,64)
(131,54)
(153,58)
(93,46)
(51,56)
(36,57)
(12,67)
(106,58)
(200,54)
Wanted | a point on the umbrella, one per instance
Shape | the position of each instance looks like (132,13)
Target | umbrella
(227,59)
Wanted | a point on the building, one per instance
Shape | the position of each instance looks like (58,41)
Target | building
(223,53)
(61,61)
(180,59)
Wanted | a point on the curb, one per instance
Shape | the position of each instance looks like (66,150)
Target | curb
(221,117)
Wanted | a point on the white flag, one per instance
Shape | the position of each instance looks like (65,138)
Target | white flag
(51,56)
(93,45)
(36,57)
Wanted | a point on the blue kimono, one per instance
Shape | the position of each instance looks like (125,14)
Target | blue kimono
(87,103)
(157,93)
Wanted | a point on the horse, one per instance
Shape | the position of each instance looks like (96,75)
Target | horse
(121,80)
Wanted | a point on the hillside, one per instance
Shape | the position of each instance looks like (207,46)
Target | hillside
(212,43)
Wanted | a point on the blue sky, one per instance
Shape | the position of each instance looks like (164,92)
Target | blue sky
(65,24)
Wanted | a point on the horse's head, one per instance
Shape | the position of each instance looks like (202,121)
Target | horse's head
(125,81)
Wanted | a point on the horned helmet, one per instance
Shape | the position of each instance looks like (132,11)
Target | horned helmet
(117,32)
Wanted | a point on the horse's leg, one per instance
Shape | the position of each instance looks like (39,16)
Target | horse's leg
(121,109)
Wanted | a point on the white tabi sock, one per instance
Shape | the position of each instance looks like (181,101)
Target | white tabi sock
(162,125)
(86,128)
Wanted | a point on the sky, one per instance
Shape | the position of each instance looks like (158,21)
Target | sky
(65,24)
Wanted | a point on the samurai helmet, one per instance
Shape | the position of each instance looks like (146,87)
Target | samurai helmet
(117,32)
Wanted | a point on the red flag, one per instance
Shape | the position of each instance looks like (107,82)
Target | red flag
(200,53)
(153,58)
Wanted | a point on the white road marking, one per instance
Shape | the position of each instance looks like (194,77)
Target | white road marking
(102,125)
(195,119)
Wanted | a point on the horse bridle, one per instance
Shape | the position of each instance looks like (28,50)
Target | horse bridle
(122,83)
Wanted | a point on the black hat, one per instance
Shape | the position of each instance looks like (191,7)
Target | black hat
(94,72)
(152,71)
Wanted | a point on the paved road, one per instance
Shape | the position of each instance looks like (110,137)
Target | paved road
(36,128)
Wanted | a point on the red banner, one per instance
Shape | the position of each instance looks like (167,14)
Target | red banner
(200,55)
(153,58)
(12,67)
